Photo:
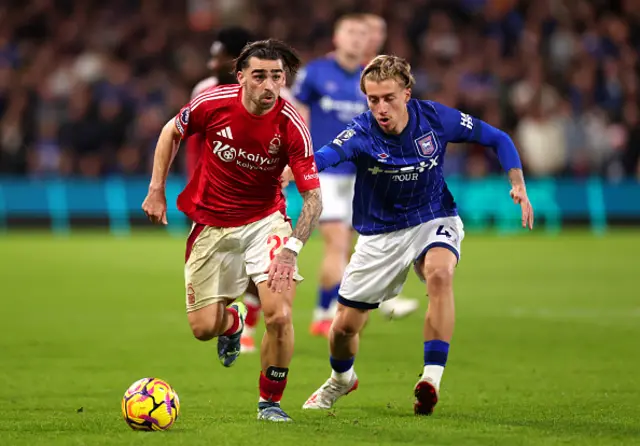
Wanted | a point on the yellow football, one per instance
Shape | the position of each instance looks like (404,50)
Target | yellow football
(150,404)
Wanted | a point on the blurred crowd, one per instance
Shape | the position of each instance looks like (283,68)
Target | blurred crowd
(86,86)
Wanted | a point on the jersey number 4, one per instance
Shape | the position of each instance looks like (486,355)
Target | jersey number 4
(275,242)
(442,231)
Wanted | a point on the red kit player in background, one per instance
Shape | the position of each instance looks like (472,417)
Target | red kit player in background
(225,49)
(240,232)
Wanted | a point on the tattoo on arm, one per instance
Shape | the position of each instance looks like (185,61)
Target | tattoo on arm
(516,178)
(311,209)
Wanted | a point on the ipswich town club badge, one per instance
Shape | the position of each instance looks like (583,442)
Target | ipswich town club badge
(426,145)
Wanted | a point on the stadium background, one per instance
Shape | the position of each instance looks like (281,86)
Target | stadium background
(85,87)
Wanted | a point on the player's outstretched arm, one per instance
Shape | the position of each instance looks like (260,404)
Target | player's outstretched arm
(327,156)
(510,160)
(155,203)
(460,127)
(344,147)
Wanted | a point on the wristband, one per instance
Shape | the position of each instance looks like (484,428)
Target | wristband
(294,245)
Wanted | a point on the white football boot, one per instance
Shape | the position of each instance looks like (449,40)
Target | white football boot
(327,395)
(398,307)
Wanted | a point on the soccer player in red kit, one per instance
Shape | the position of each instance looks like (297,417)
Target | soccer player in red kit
(240,230)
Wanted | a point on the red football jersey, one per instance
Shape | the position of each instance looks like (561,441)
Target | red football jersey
(237,180)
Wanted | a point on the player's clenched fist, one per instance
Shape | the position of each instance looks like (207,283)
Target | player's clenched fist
(155,206)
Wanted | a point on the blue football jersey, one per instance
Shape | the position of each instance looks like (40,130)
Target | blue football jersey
(334,98)
(399,180)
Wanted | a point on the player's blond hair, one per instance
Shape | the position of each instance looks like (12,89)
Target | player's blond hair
(385,67)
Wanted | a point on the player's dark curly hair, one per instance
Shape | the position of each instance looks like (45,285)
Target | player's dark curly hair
(270,49)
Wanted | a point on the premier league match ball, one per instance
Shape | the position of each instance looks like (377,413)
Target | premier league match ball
(150,404)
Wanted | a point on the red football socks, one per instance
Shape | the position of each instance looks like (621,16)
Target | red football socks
(270,389)
(235,324)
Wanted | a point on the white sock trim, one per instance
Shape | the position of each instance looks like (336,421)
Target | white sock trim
(434,373)
(344,377)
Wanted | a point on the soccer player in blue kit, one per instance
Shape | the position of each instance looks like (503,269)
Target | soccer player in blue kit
(327,94)
(405,216)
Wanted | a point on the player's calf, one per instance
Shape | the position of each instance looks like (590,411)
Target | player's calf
(438,269)
(278,320)
(343,344)
(276,351)
(345,331)
(279,336)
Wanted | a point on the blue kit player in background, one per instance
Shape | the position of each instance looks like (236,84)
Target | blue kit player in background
(405,216)
(327,95)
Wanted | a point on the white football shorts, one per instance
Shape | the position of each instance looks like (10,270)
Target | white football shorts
(219,262)
(337,197)
(379,266)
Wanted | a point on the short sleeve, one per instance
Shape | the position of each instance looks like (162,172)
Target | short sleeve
(192,118)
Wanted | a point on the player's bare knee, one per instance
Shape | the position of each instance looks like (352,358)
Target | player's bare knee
(348,321)
(344,329)
(279,320)
(206,323)
(439,276)
(203,332)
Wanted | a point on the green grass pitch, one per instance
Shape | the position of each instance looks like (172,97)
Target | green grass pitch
(546,349)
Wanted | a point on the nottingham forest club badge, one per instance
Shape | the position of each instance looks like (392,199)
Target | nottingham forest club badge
(426,145)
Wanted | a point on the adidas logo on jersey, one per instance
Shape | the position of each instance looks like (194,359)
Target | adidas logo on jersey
(225,133)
